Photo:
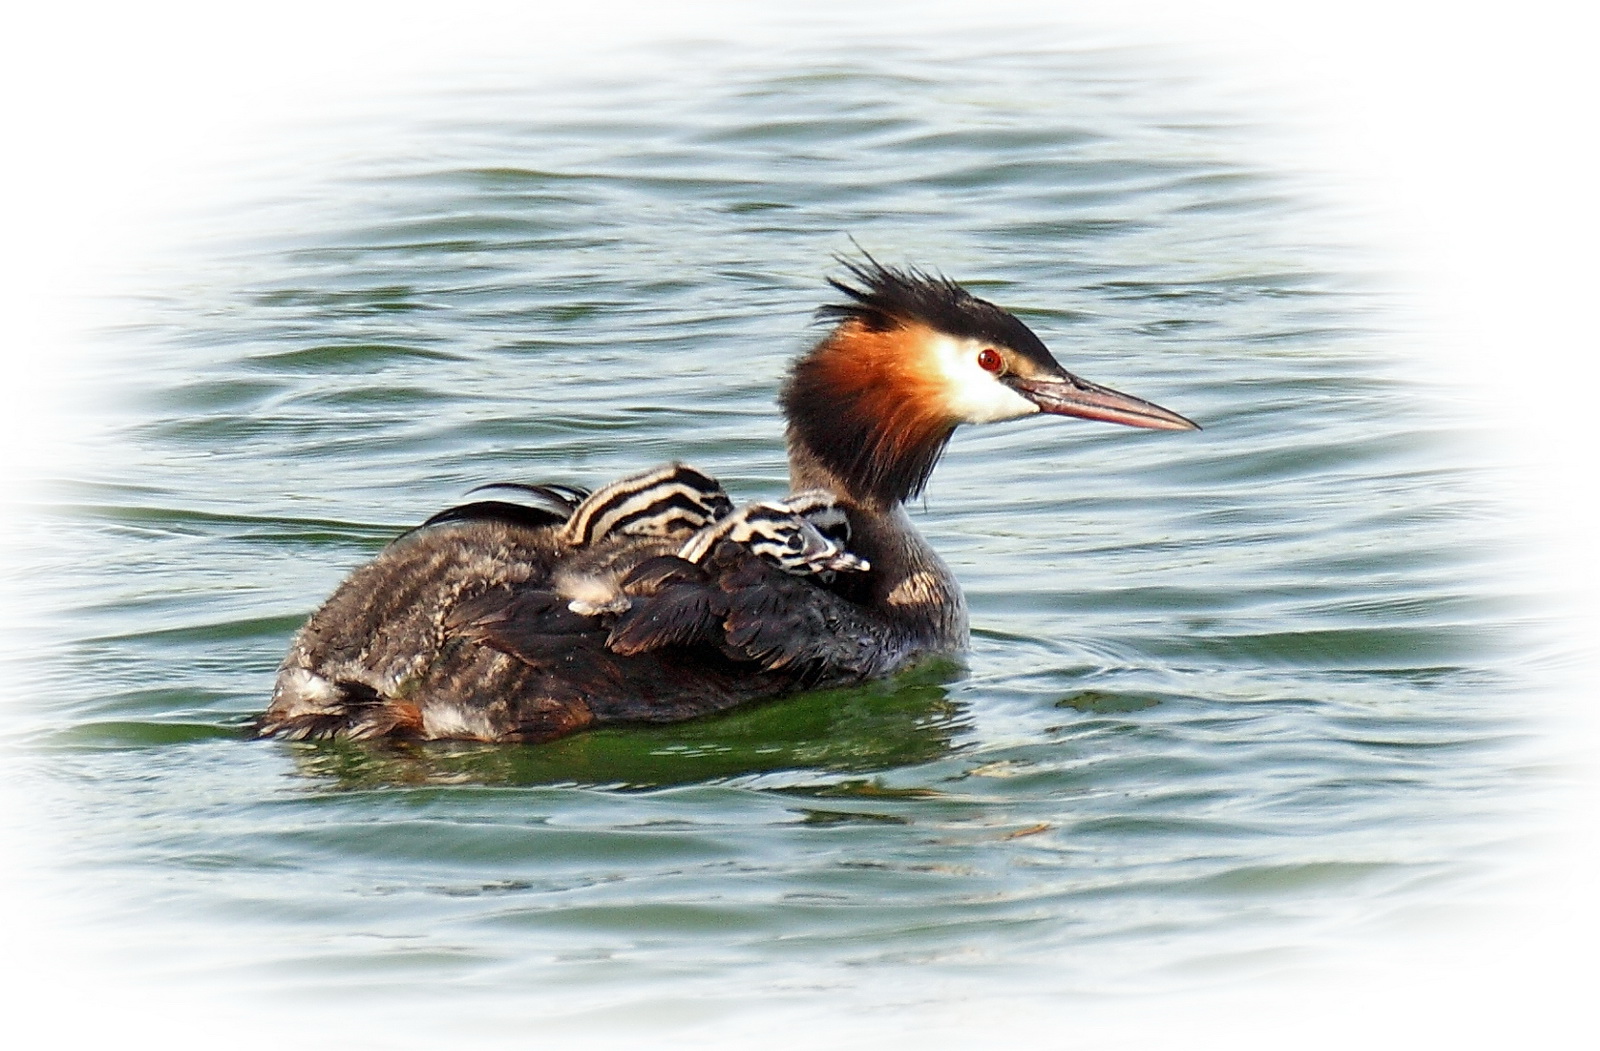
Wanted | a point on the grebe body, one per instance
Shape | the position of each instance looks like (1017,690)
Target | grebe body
(653,599)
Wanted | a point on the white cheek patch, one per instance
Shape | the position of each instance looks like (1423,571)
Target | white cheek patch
(973,394)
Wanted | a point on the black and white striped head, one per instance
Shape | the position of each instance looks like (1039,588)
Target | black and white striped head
(777,532)
(664,502)
(821,508)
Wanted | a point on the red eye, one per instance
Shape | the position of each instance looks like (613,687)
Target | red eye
(989,360)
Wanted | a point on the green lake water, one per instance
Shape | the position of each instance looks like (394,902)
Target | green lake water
(1227,691)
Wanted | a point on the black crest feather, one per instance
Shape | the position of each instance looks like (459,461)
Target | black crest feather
(889,296)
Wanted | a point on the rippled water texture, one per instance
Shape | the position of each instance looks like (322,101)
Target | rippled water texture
(1227,690)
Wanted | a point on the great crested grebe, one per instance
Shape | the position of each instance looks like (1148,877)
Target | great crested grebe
(652,599)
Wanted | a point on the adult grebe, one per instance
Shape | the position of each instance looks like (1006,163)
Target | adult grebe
(644,602)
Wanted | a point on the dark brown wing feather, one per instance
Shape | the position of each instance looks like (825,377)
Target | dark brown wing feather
(675,603)
(496,511)
(789,623)
(742,608)
(562,664)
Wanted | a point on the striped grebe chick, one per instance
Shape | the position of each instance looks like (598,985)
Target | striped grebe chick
(787,533)
(469,626)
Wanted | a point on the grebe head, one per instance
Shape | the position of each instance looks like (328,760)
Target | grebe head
(912,356)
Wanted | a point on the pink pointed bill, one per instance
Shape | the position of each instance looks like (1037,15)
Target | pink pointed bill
(1072,396)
